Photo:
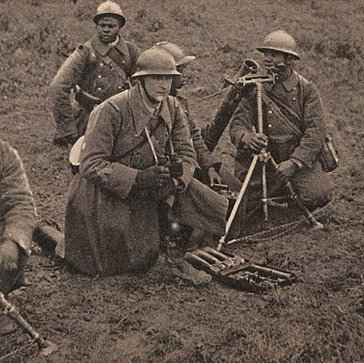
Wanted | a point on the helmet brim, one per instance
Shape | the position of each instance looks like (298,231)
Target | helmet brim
(117,16)
(186,59)
(291,53)
(156,73)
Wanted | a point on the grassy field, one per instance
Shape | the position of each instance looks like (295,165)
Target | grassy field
(158,317)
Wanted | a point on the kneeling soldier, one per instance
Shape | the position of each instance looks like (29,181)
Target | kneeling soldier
(111,221)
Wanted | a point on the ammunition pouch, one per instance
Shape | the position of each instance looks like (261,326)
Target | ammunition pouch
(328,156)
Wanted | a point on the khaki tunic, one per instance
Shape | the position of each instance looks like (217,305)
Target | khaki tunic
(108,230)
(17,211)
(101,70)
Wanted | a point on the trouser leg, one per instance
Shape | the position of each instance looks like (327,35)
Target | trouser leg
(201,207)
(313,186)
(11,280)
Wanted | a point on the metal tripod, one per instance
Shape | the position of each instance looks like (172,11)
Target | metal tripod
(263,157)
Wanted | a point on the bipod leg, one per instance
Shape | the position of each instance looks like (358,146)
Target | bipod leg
(313,221)
(238,201)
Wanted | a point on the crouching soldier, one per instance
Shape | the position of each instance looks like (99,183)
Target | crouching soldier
(111,223)
(95,71)
(294,126)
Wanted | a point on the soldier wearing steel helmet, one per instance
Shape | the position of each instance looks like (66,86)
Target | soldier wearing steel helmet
(208,162)
(95,71)
(111,223)
(294,125)
(211,169)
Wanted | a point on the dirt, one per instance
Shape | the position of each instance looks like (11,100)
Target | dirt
(158,316)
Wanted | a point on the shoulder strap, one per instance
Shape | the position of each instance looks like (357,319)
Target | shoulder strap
(144,139)
(273,105)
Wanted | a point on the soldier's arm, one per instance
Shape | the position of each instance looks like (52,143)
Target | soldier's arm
(134,54)
(182,143)
(66,78)
(314,126)
(205,158)
(241,121)
(103,127)
(17,202)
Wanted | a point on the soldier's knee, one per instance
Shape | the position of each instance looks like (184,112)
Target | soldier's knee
(317,198)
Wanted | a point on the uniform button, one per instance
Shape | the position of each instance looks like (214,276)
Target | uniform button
(99,88)
(119,87)
(135,135)
(269,125)
(294,98)
(99,76)
(123,62)
(294,88)
(101,64)
(270,112)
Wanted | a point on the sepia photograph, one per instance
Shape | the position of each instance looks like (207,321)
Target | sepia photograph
(181,181)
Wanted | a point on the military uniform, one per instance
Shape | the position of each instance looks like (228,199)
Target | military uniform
(205,158)
(109,229)
(99,69)
(294,122)
(17,212)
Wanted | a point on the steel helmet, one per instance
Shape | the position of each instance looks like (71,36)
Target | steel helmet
(176,51)
(109,8)
(280,41)
(156,62)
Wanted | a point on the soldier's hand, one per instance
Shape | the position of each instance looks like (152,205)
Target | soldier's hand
(152,178)
(285,170)
(214,177)
(9,255)
(254,141)
(168,188)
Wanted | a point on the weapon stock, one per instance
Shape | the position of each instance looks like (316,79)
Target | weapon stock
(214,130)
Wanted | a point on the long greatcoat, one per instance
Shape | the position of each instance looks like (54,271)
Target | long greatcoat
(17,211)
(108,230)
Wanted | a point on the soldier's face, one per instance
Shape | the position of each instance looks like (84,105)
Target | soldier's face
(108,29)
(274,60)
(158,87)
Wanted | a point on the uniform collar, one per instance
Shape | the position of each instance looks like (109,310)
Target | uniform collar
(292,81)
(289,84)
(141,113)
(102,48)
(180,94)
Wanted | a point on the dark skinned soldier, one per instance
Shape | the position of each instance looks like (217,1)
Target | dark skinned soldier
(95,71)
(294,125)
(111,223)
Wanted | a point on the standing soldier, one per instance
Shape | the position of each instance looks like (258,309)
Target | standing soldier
(17,217)
(111,223)
(294,125)
(95,71)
